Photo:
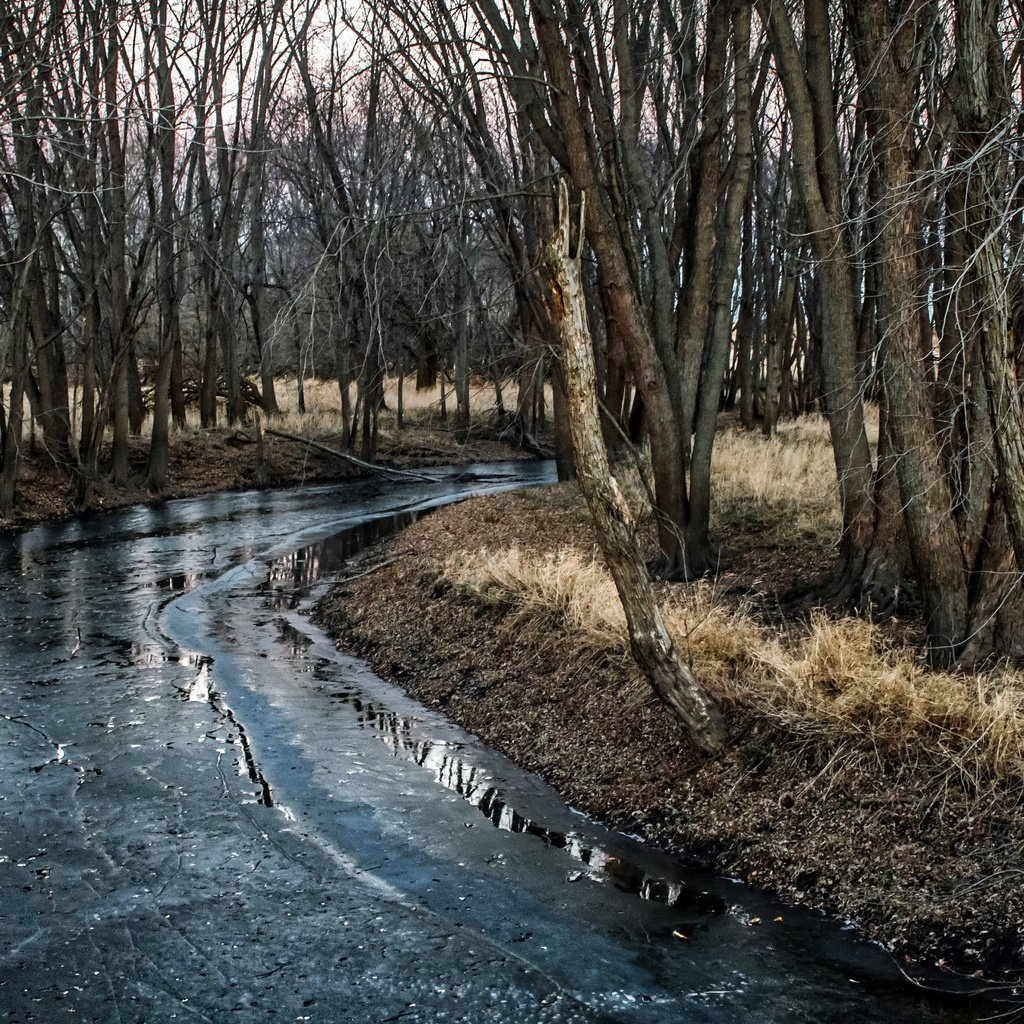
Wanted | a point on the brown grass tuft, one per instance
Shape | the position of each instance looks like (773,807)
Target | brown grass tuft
(778,486)
(836,685)
(844,683)
(559,592)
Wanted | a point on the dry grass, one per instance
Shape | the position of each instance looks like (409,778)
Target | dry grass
(420,408)
(856,781)
(782,484)
(322,417)
(841,683)
(782,488)
(834,685)
(548,594)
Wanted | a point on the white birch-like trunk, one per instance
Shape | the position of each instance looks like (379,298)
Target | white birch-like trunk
(671,678)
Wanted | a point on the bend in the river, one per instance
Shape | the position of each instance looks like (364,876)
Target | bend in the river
(209,814)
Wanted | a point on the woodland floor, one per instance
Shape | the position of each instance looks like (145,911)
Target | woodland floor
(934,876)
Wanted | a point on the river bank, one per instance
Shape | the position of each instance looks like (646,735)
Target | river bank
(913,847)
(206,460)
(210,808)
(922,853)
(229,459)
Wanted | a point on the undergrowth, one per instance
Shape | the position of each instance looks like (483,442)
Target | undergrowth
(836,684)
(321,415)
(783,486)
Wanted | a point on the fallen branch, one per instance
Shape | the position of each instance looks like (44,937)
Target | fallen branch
(510,424)
(366,572)
(526,441)
(383,470)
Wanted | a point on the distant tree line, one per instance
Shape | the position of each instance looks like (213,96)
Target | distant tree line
(792,205)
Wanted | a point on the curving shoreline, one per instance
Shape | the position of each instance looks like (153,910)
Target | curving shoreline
(935,887)
(939,889)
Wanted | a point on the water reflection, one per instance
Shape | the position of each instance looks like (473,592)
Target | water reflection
(288,580)
(444,761)
(295,641)
(199,690)
(180,582)
(291,575)
(151,655)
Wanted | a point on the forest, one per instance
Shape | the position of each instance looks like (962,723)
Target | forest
(789,207)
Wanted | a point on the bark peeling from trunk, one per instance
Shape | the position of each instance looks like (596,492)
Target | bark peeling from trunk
(671,678)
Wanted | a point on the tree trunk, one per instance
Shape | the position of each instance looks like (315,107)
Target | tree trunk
(694,313)
(15,420)
(300,371)
(90,331)
(747,354)
(234,404)
(208,384)
(257,292)
(623,304)
(179,412)
(882,55)
(811,107)
(565,458)
(166,271)
(343,374)
(981,106)
(462,417)
(652,647)
(119,416)
(400,395)
(16,329)
(700,556)
(779,329)
(116,214)
(51,365)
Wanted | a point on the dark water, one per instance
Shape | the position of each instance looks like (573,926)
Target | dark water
(208,814)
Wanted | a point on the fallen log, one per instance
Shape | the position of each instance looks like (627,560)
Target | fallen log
(383,470)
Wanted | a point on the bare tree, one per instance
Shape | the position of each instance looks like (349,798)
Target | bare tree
(652,647)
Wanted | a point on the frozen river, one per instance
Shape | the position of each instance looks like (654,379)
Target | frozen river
(208,814)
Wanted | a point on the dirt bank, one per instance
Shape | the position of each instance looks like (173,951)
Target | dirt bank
(933,873)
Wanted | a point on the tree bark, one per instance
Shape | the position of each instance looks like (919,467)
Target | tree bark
(462,415)
(672,680)
(700,554)
(870,564)
(824,223)
(166,272)
(17,345)
(981,102)
(884,56)
(116,214)
(565,457)
(623,305)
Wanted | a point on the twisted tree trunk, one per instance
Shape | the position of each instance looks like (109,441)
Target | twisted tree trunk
(982,102)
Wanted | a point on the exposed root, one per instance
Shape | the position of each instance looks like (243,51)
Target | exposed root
(868,584)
